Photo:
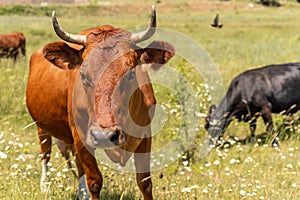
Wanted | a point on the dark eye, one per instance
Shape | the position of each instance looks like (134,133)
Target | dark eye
(131,75)
(206,126)
(85,81)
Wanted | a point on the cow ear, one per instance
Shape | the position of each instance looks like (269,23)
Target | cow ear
(212,109)
(157,53)
(62,55)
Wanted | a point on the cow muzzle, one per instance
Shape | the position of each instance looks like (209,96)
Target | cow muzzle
(214,133)
(105,138)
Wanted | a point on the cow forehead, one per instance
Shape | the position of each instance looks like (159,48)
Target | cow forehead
(105,35)
(107,57)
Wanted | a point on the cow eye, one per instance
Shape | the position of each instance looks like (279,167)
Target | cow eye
(131,75)
(206,126)
(85,81)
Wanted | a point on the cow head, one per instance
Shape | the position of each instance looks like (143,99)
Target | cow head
(215,125)
(112,85)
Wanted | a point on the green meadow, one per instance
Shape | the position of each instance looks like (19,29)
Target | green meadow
(252,36)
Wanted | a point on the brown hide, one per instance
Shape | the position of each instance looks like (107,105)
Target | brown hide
(11,44)
(55,70)
(92,79)
(47,92)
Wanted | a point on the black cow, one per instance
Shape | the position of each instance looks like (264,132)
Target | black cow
(254,93)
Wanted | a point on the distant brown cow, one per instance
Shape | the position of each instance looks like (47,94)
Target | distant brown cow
(11,45)
(98,95)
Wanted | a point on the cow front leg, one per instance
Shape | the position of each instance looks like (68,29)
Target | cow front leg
(142,165)
(267,117)
(45,153)
(252,130)
(83,192)
(89,166)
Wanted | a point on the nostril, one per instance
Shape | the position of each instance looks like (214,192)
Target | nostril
(94,138)
(114,139)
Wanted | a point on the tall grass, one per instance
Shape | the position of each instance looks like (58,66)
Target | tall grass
(251,37)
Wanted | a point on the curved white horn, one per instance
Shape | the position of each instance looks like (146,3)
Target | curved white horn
(200,115)
(68,37)
(149,32)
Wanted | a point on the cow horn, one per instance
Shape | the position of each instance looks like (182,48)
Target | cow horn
(200,115)
(144,35)
(68,37)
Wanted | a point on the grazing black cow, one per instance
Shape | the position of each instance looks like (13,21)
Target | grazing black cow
(254,93)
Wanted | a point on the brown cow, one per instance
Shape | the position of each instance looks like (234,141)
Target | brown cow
(11,44)
(98,96)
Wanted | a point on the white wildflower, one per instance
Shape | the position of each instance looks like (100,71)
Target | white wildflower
(194,186)
(65,170)
(217,162)
(28,167)
(14,166)
(207,164)
(243,192)
(56,155)
(232,161)
(186,189)
(3,155)
(188,169)
(289,166)
(21,157)
(185,163)
(205,191)
(248,160)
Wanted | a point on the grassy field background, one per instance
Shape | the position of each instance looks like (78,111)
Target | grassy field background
(252,36)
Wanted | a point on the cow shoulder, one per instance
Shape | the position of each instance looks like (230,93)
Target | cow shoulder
(62,55)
